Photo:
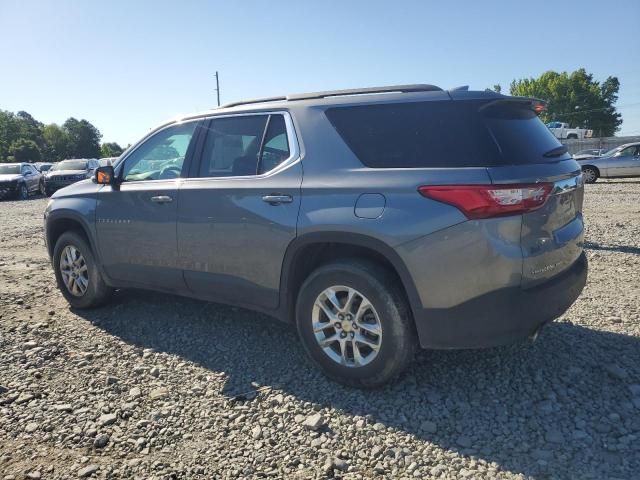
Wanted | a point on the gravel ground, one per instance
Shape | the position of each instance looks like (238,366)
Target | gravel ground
(154,386)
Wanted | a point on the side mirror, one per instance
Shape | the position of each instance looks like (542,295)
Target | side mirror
(105,175)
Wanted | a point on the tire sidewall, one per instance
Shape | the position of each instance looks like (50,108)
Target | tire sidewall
(88,299)
(391,312)
(23,192)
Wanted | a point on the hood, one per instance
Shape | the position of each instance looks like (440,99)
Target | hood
(9,177)
(81,188)
(56,173)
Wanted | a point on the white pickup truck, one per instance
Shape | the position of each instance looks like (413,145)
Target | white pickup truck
(563,130)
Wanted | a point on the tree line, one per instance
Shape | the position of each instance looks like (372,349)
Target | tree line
(25,139)
(574,98)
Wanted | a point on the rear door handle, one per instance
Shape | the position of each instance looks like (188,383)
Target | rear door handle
(161,199)
(277,199)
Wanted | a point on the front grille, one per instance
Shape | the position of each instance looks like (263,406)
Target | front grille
(66,179)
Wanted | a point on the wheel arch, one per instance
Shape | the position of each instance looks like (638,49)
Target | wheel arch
(59,223)
(311,250)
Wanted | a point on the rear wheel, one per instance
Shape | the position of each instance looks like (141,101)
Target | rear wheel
(355,324)
(77,273)
(590,174)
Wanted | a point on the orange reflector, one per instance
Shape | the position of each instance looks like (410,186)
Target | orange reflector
(103,178)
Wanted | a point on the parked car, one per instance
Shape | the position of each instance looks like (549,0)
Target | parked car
(107,161)
(564,131)
(43,166)
(67,172)
(619,162)
(588,153)
(401,233)
(19,180)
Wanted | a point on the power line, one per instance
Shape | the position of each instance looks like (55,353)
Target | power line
(579,112)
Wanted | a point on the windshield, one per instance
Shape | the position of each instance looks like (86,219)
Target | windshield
(70,165)
(13,169)
(610,152)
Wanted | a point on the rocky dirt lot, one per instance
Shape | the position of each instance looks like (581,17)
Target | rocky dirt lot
(154,386)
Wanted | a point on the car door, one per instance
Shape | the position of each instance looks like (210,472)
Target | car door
(136,218)
(625,163)
(633,169)
(31,178)
(238,209)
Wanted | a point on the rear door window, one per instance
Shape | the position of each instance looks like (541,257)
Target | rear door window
(244,145)
(442,134)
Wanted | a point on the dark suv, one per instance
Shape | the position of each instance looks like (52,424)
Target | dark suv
(376,220)
(67,172)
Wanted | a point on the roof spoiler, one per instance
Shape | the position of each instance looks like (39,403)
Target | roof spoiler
(536,104)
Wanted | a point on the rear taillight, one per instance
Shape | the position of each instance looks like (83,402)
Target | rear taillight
(485,201)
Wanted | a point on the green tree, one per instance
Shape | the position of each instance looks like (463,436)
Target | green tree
(110,149)
(9,133)
(29,128)
(24,150)
(84,138)
(575,98)
(56,142)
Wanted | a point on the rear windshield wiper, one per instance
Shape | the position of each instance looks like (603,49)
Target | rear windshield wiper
(556,152)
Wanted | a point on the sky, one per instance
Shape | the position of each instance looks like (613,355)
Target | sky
(128,65)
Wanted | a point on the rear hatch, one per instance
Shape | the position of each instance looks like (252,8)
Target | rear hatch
(552,234)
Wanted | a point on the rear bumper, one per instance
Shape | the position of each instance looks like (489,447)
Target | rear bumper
(502,316)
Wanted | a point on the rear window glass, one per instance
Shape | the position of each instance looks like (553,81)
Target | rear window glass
(442,134)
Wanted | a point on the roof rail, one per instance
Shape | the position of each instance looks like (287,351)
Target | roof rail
(339,93)
(364,91)
(255,100)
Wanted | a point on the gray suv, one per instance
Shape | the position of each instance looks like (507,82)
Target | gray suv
(377,220)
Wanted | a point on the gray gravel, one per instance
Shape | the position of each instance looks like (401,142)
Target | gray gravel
(154,386)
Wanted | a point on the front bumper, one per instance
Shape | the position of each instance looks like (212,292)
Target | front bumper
(8,190)
(502,316)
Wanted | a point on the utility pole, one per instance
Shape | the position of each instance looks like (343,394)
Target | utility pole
(218,87)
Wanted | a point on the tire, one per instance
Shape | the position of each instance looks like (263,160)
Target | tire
(96,292)
(43,189)
(396,343)
(572,137)
(23,192)
(590,174)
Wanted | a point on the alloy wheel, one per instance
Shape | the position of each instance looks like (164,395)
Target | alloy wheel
(74,271)
(346,326)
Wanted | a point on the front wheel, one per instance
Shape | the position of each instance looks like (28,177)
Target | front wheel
(23,192)
(77,273)
(43,189)
(590,175)
(355,324)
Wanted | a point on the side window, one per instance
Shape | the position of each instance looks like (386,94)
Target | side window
(232,146)
(627,152)
(161,156)
(275,148)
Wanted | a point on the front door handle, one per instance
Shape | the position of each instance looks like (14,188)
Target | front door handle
(161,199)
(277,199)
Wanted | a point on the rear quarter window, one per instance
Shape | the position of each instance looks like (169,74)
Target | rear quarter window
(442,134)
